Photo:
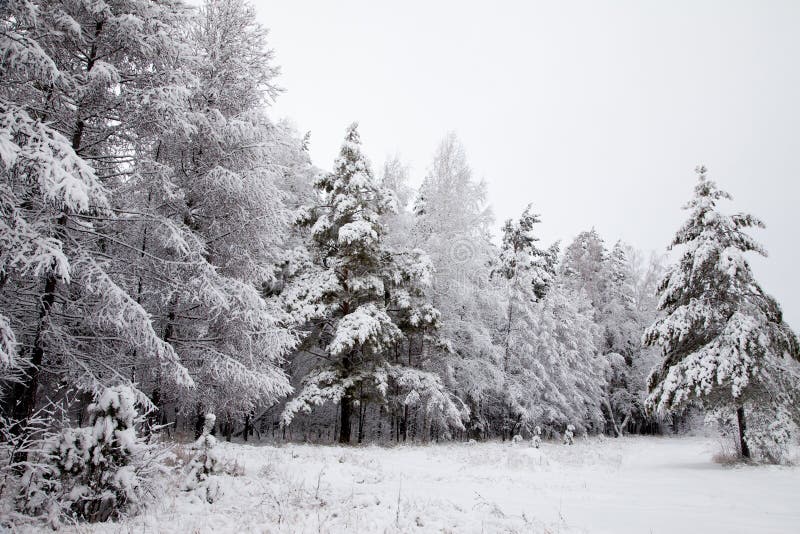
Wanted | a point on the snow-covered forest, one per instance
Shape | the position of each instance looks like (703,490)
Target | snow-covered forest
(176,273)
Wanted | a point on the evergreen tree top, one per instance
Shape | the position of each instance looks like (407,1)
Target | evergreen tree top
(517,235)
(706,224)
(714,246)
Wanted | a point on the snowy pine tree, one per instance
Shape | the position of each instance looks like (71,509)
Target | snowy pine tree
(724,340)
(99,465)
(205,462)
(528,271)
(354,294)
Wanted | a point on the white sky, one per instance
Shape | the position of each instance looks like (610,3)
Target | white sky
(595,111)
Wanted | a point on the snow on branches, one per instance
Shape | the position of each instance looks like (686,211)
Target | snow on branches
(724,339)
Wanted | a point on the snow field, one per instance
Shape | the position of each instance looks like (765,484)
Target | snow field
(598,485)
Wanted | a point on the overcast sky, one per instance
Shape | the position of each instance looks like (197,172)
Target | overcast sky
(595,111)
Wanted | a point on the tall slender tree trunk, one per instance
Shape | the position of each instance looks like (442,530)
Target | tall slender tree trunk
(362,414)
(404,423)
(25,391)
(346,404)
(345,411)
(248,426)
(742,429)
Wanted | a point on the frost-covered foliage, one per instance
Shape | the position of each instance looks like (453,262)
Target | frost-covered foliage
(620,286)
(452,224)
(92,473)
(362,301)
(205,462)
(583,265)
(81,82)
(724,339)
(569,435)
(145,198)
(528,272)
(568,387)
(205,219)
(30,486)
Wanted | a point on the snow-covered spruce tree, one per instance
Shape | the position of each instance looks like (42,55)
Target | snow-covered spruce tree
(79,81)
(347,294)
(453,226)
(99,465)
(723,339)
(205,462)
(528,272)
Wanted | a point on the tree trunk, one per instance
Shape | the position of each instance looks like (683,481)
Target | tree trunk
(199,422)
(345,411)
(248,427)
(742,429)
(25,390)
(362,415)
(617,429)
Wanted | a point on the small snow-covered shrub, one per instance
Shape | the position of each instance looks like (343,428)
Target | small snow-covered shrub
(569,435)
(29,482)
(516,439)
(536,440)
(206,462)
(93,473)
(728,453)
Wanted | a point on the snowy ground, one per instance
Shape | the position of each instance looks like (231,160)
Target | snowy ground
(637,485)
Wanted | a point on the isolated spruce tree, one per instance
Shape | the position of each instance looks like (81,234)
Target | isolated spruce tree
(723,339)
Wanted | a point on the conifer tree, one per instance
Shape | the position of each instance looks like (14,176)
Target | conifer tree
(214,219)
(82,83)
(356,294)
(583,266)
(528,272)
(452,225)
(723,338)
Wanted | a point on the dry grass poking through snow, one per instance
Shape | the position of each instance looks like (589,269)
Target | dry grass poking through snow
(658,485)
